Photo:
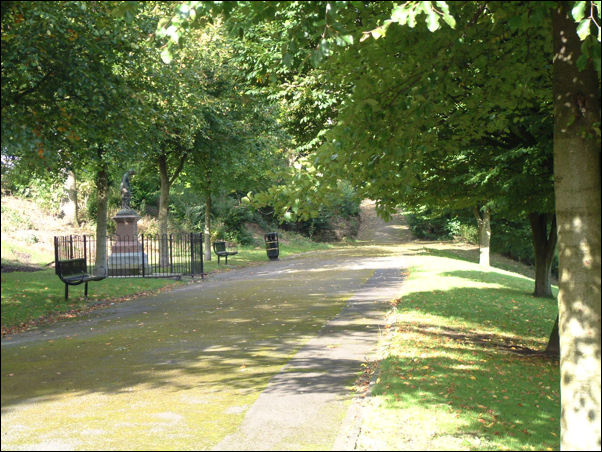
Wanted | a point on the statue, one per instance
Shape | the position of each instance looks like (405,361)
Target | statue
(126,194)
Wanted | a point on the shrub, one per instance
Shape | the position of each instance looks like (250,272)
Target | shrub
(426,227)
(234,223)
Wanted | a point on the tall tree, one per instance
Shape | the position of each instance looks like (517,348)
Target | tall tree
(66,97)
(576,97)
(577,186)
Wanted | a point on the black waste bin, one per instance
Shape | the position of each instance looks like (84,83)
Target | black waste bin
(271,245)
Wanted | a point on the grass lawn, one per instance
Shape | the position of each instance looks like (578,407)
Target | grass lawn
(33,297)
(459,368)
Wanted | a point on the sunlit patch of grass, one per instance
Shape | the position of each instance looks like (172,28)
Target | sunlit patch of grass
(461,369)
(13,253)
(27,296)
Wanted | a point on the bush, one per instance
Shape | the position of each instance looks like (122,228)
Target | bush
(46,192)
(463,231)
(336,220)
(512,239)
(426,227)
(113,203)
(234,224)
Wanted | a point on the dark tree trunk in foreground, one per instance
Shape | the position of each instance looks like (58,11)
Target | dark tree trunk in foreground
(544,244)
(577,192)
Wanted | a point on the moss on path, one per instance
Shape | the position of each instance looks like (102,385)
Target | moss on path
(181,370)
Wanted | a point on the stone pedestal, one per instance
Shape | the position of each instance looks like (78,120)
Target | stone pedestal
(127,256)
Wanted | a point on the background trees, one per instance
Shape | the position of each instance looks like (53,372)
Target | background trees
(66,97)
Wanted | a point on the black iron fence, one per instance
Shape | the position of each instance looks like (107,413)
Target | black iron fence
(76,247)
(142,256)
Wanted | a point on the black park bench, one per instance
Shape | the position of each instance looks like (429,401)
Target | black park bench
(72,270)
(221,250)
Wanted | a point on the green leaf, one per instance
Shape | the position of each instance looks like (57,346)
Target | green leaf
(449,20)
(173,32)
(400,14)
(166,55)
(377,32)
(432,21)
(583,29)
(447,17)
(578,11)
(345,40)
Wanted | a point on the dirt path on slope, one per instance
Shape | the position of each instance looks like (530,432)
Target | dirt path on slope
(374,229)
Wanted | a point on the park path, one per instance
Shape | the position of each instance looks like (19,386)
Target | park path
(261,358)
(307,405)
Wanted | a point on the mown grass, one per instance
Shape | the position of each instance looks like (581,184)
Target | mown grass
(30,297)
(460,368)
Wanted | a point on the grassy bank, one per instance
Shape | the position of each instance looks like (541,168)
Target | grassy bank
(461,368)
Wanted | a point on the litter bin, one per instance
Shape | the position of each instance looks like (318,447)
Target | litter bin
(271,245)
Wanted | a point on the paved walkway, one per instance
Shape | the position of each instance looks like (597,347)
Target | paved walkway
(302,403)
(146,375)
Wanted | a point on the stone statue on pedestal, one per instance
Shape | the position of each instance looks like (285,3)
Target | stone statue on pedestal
(127,256)
(126,194)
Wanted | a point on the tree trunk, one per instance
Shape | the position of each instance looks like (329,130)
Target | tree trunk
(76,199)
(102,193)
(544,244)
(553,347)
(577,190)
(69,206)
(207,231)
(484,222)
(163,211)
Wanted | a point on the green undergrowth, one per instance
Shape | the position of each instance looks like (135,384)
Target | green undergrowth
(462,366)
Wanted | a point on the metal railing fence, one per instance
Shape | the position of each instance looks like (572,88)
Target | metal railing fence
(142,256)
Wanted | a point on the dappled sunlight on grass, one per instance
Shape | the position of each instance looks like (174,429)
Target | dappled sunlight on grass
(464,359)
